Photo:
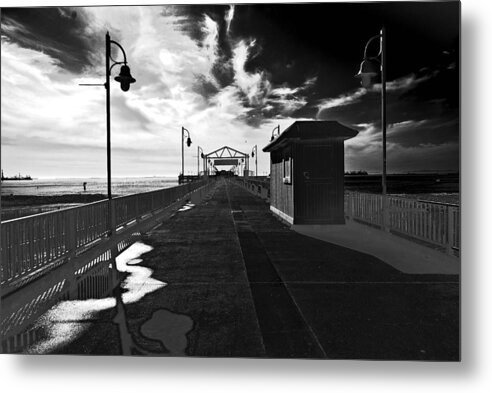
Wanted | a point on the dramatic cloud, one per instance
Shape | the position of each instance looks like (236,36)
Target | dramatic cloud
(400,85)
(341,100)
(62,33)
(229,74)
(422,126)
(254,85)
(211,33)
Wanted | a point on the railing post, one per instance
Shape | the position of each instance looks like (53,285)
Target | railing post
(350,213)
(72,233)
(137,213)
(386,226)
(72,247)
(113,215)
(450,239)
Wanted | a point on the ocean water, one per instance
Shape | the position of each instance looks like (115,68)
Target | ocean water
(119,186)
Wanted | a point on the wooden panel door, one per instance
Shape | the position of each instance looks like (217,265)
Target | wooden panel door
(317,195)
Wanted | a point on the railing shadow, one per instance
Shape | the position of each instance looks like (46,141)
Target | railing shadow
(68,255)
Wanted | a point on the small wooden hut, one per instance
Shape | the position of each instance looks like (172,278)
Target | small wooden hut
(307,172)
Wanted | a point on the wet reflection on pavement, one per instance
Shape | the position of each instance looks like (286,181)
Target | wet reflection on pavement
(69,319)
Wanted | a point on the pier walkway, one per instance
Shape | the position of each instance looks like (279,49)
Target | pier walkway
(225,278)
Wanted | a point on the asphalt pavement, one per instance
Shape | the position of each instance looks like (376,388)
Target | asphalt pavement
(225,278)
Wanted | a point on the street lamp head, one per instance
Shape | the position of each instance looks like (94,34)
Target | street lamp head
(202,155)
(125,78)
(253,153)
(273,132)
(188,142)
(369,68)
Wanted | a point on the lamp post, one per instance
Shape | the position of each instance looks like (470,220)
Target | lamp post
(198,156)
(369,68)
(125,79)
(254,154)
(188,143)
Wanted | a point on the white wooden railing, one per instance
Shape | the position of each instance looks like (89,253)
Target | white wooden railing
(431,222)
(29,244)
(259,188)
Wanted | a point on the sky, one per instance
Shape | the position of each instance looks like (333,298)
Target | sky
(229,74)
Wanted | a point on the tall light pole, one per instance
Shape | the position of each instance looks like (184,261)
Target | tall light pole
(125,79)
(369,68)
(198,156)
(254,153)
(188,143)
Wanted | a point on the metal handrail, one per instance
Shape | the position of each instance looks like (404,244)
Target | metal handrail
(33,242)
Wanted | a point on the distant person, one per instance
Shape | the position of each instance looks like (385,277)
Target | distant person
(85,186)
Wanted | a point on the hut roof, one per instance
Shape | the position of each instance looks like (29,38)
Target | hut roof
(311,130)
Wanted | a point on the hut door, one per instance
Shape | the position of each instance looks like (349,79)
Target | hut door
(316,198)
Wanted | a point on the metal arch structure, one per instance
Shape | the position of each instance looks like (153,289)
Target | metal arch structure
(226,156)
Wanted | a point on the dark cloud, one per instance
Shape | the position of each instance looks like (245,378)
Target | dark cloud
(426,102)
(192,16)
(327,40)
(442,87)
(294,43)
(262,108)
(298,42)
(60,32)
(255,117)
(205,87)
(191,23)
(415,133)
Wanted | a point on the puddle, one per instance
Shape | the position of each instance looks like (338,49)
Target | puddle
(69,319)
(170,329)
